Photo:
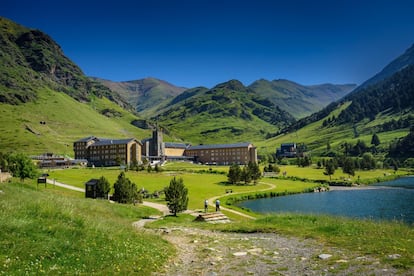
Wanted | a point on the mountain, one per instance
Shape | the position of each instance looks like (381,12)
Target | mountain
(393,67)
(30,59)
(146,95)
(227,112)
(300,100)
(385,107)
(46,102)
(386,92)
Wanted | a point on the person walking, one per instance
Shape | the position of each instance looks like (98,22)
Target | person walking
(205,206)
(217,205)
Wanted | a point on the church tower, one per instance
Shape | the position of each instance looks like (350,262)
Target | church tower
(157,144)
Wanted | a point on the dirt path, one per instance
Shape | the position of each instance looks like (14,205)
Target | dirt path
(211,201)
(204,252)
(66,186)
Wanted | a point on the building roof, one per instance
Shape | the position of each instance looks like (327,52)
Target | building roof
(219,146)
(176,145)
(86,139)
(105,142)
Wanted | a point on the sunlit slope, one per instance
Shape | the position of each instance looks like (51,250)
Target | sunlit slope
(54,121)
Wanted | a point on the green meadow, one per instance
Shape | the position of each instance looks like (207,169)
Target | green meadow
(50,231)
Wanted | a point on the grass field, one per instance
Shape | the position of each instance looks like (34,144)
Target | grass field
(200,186)
(51,232)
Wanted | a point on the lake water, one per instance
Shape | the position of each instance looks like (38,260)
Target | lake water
(393,200)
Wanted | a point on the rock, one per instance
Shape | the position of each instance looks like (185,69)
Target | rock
(195,241)
(341,261)
(303,259)
(394,256)
(239,254)
(324,256)
(255,251)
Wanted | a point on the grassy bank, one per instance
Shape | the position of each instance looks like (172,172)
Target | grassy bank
(44,232)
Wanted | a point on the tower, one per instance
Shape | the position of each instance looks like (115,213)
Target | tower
(157,144)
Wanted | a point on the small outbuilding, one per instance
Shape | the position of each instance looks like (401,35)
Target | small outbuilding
(91,188)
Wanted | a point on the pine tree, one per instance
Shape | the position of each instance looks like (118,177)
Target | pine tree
(246,175)
(103,187)
(329,168)
(348,166)
(176,196)
(234,174)
(254,170)
(124,190)
(375,140)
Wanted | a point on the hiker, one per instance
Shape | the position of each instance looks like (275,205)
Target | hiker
(205,206)
(217,205)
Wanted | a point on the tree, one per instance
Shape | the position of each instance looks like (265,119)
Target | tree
(22,166)
(329,168)
(176,196)
(254,170)
(375,140)
(368,161)
(103,187)
(246,175)
(234,174)
(124,190)
(348,166)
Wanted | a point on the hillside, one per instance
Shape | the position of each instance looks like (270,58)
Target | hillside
(30,60)
(35,116)
(227,112)
(300,100)
(385,108)
(48,231)
(146,95)
(393,67)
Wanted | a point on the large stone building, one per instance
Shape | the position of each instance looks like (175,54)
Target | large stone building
(111,152)
(223,154)
(108,152)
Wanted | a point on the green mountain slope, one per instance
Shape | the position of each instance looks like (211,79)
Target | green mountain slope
(35,116)
(300,100)
(146,95)
(227,112)
(385,108)
(54,121)
(30,59)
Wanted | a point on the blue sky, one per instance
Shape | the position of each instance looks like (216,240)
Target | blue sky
(202,43)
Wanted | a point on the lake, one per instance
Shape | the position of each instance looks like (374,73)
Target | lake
(392,200)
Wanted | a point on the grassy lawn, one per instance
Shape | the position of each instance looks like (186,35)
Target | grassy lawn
(313,173)
(46,231)
(200,185)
